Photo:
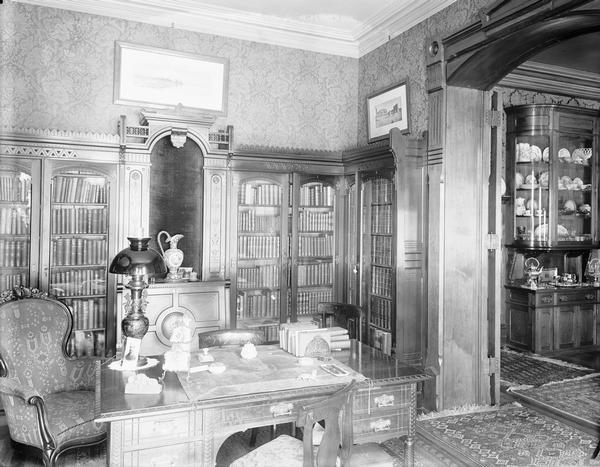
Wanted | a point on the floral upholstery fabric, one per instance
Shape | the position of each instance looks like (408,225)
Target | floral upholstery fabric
(31,345)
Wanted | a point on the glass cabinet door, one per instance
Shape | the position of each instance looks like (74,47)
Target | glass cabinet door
(79,253)
(378,256)
(257,272)
(313,244)
(531,183)
(15,223)
(574,179)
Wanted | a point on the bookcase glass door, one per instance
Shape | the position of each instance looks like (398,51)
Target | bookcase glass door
(314,244)
(378,258)
(79,253)
(258,285)
(15,223)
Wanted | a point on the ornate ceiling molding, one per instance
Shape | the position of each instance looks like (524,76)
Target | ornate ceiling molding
(553,79)
(191,15)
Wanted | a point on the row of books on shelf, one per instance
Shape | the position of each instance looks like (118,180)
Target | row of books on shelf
(315,246)
(14,220)
(381,340)
(308,300)
(264,305)
(261,194)
(251,247)
(11,280)
(266,276)
(250,221)
(297,338)
(382,281)
(315,274)
(15,186)
(14,253)
(79,220)
(78,282)
(88,313)
(317,195)
(381,250)
(78,251)
(79,189)
(315,221)
(382,190)
(381,312)
(381,219)
(86,344)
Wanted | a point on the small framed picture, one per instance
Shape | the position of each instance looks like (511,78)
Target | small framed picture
(388,109)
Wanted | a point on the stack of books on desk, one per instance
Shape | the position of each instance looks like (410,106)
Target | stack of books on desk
(295,337)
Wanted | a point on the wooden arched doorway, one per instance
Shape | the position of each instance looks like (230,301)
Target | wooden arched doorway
(463,158)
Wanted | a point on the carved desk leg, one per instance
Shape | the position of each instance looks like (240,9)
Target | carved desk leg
(409,453)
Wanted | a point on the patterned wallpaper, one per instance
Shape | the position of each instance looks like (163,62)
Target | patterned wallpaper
(403,57)
(56,70)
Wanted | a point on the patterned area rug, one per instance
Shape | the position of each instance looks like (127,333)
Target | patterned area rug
(577,399)
(426,454)
(510,436)
(520,369)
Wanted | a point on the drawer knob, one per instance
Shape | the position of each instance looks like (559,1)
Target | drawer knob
(385,400)
(563,298)
(590,296)
(546,299)
(281,410)
(383,424)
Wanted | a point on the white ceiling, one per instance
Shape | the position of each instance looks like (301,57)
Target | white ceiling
(342,27)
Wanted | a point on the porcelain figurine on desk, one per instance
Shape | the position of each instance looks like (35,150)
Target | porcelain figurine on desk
(173,256)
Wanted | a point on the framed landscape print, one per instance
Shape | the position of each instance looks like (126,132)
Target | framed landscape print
(388,109)
(163,78)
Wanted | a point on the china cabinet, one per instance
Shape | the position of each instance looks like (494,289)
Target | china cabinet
(552,300)
(56,224)
(552,175)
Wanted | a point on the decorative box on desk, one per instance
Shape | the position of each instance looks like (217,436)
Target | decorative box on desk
(204,303)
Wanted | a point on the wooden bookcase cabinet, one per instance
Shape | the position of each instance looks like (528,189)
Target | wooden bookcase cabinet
(58,212)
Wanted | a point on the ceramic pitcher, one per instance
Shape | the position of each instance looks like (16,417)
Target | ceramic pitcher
(173,256)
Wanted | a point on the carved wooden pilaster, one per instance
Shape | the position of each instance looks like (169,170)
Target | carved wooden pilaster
(215,220)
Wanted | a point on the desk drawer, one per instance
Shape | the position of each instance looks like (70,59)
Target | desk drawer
(177,455)
(158,429)
(588,296)
(376,424)
(262,414)
(386,399)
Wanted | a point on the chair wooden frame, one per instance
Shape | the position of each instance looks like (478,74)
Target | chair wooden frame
(346,315)
(336,412)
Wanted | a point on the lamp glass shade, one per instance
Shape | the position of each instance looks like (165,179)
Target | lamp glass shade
(138,259)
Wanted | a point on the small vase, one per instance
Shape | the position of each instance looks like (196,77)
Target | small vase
(173,256)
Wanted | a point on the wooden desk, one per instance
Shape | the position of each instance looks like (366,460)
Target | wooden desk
(170,429)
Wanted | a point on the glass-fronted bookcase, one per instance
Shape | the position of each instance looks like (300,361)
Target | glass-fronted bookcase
(55,223)
(313,244)
(378,278)
(284,248)
(259,241)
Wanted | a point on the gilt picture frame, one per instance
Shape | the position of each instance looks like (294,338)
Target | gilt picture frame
(387,109)
(166,79)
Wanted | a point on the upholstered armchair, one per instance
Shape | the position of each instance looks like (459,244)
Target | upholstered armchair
(48,397)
